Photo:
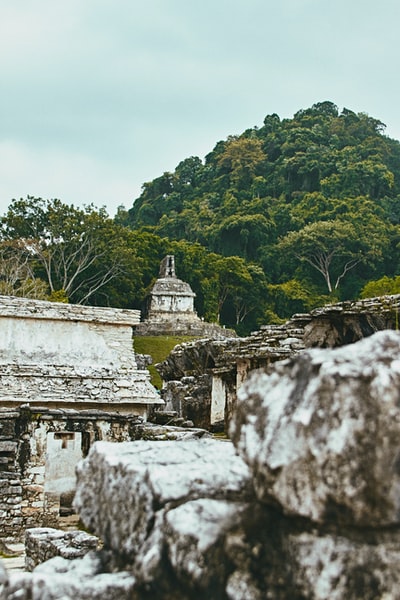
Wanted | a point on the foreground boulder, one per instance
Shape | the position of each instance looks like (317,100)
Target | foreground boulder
(321,433)
(309,508)
(61,579)
(162,511)
(143,478)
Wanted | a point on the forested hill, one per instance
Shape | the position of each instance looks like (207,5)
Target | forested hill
(314,201)
(282,218)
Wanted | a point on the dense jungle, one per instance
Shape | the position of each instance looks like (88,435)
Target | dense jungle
(286,216)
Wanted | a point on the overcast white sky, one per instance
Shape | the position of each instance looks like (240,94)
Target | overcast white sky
(99,96)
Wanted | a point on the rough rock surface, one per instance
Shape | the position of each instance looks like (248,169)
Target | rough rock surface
(321,433)
(3,580)
(143,477)
(63,579)
(314,514)
(43,543)
(336,568)
(202,361)
(189,397)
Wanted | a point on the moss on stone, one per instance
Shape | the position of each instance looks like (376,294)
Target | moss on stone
(158,347)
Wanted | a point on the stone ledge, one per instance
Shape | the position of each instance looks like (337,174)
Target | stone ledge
(43,543)
(135,389)
(26,308)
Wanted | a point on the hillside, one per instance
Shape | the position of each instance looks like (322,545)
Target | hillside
(280,219)
(301,211)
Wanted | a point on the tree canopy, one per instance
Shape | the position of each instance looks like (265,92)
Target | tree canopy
(76,252)
(275,220)
(313,199)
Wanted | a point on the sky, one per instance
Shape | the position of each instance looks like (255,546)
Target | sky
(100,96)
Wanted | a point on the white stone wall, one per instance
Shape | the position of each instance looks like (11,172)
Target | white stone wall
(39,451)
(11,306)
(63,451)
(32,341)
(58,354)
(49,333)
(171,303)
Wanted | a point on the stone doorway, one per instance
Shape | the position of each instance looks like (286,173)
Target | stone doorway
(63,452)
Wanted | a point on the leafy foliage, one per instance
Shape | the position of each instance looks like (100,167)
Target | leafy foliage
(77,252)
(381,287)
(17,277)
(312,202)
(276,220)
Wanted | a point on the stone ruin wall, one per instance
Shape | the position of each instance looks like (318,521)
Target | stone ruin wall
(38,455)
(202,378)
(68,377)
(39,451)
(302,504)
(61,355)
(169,309)
(207,376)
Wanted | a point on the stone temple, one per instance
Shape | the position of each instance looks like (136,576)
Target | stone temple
(170,296)
(169,308)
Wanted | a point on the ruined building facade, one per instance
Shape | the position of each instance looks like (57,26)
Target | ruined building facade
(170,295)
(202,377)
(68,377)
(303,503)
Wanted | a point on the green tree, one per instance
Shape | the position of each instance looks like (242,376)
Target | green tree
(17,276)
(330,247)
(189,172)
(253,189)
(242,235)
(353,177)
(384,286)
(73,249)
(293,296)
(240,160)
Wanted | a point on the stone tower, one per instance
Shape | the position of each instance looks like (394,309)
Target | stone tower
(167,267)
(171,298)
(170,309)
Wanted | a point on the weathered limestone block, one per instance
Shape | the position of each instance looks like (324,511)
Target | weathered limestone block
(122,487)
(63,579)
(277,559)
(184,556)
(181,520)
(190,398)
(241,586)
(333,568)
(19,587)
(82,579)
(54,354)
(154,432)
(321,433)
(195,538)
(43,543)
(281,557)
(3,581)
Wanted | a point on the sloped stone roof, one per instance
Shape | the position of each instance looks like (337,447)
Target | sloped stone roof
(172,286)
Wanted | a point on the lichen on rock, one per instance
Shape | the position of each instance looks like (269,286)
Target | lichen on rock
(320,434)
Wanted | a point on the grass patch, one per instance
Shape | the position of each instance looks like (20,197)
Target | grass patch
(158,347)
